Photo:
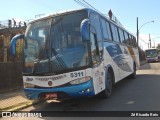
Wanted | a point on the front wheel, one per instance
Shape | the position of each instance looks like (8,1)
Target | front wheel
(133,75)
(108,85)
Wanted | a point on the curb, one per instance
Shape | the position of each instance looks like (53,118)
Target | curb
(20,106)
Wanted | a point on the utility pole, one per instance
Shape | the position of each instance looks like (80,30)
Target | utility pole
(149,41)
(138,29)
(137,33)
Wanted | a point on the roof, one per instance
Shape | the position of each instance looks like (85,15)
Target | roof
(71,11)
(59,13)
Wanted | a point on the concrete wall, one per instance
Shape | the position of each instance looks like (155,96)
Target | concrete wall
(10,76)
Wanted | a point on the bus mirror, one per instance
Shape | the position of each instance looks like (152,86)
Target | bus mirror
(85,29)
(13,44)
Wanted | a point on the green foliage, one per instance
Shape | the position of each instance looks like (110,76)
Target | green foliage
(158,47)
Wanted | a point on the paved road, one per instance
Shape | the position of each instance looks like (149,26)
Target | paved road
(140,94)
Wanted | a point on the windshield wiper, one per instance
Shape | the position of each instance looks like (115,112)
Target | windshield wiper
(43,55)
(60,61)
(36,63)
(57,57)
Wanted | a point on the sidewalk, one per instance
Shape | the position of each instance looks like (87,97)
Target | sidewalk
(14,100)
(142,62)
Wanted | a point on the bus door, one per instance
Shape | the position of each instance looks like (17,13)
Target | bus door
(126,62)
(98,67)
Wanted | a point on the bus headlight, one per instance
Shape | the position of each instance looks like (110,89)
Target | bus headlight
(28,85)
(80,80)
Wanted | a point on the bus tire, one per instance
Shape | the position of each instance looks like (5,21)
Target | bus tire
(108,85)
(133,75)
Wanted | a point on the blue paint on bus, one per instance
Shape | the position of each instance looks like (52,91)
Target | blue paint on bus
(74,91)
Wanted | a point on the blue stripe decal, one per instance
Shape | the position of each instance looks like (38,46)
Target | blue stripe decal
(118,56)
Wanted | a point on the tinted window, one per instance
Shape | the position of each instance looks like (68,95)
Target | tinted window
(67,48)
(114,33)
(126,41)
(121,35)
(65,30)
(106,30)
(94,49)
(130,40)
(134,41)
(94,18)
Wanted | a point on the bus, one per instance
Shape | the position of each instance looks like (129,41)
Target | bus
(75,54)
(152,55)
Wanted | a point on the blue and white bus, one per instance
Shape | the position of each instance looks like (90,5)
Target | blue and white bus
(75,54)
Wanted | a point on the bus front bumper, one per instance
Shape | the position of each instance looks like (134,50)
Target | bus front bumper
(67,92)
(152,60)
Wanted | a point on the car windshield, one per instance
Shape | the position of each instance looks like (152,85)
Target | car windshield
(55,44)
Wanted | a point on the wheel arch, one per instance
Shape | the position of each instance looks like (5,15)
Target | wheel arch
(110,68)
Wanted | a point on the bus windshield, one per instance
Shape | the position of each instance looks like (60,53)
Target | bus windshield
(151,53)
(55,44)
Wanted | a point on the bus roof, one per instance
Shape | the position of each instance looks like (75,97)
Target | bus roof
(58,13)
(71,11)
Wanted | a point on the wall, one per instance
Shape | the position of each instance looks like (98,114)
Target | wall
(10,76)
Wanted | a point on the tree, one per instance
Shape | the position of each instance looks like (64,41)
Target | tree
(158,46)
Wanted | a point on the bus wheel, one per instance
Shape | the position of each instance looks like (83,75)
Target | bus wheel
(108,85)
(133,75)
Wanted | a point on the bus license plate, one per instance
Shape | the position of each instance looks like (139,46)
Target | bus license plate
(51,95)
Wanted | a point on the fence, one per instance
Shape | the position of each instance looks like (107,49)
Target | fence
(12,23)
(10,76)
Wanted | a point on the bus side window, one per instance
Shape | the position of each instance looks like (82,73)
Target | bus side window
(121,35)
(106,30)
(126,38)
(94,49)
(115,33)
(95,23)
(130,40)
(134,41)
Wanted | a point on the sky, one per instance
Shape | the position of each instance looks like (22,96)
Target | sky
(126,11)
